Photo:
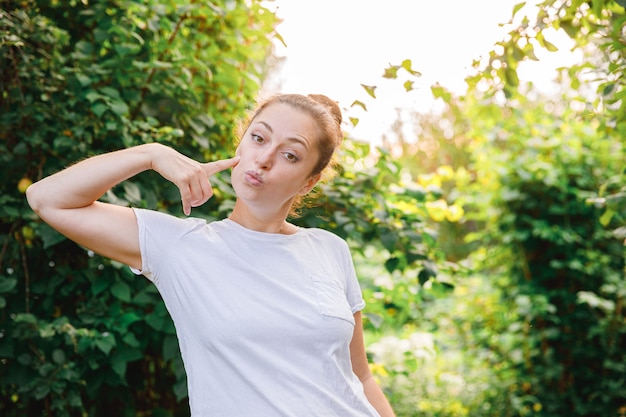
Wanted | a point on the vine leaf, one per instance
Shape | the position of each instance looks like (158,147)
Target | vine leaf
(370,89)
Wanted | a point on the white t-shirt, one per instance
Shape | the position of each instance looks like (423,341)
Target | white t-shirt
(264,320)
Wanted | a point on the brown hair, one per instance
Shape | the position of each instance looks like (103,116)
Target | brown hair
(326,114)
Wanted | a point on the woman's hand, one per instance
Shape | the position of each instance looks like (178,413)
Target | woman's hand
(191,177)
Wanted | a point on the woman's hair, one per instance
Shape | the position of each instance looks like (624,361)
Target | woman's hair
(323,110)
(326,114)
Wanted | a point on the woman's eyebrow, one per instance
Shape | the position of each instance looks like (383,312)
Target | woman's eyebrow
(267,126)
(299,139)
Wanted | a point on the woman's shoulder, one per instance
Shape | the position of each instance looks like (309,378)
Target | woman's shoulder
(325,235)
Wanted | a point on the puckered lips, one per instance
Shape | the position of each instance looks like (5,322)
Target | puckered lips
(253,178)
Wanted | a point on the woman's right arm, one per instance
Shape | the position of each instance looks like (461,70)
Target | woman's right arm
(67,200)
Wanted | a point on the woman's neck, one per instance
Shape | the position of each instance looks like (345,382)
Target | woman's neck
(262,222)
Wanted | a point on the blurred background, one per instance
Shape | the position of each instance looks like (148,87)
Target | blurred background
(326,46)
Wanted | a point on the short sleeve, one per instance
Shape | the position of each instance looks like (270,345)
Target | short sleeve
(157,233)
(353,290)
(143,219)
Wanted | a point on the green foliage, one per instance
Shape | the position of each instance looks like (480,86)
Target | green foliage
(537,327)
(555,261)
(536,324)
(595,26)
(556,184)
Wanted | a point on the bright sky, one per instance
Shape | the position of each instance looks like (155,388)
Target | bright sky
(333,46)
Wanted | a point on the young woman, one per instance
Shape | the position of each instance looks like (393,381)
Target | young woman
(267,314)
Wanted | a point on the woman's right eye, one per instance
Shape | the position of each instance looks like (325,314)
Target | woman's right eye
(256,138)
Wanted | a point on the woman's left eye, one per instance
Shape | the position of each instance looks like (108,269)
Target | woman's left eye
(256,138)
(290,157)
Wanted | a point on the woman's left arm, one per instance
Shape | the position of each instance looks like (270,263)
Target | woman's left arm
(361,368)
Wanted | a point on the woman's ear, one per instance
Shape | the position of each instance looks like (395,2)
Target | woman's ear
(310,184)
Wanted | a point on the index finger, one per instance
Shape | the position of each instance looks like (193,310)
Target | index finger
(220,165)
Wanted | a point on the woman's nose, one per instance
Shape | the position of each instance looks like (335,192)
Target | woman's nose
(264,159)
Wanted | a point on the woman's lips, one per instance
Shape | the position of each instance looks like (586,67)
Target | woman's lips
(253,178)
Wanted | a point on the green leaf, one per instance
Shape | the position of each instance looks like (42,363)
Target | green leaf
(414,256)
(550,46)
(517,8)
(105,343)
(25,359)
(42,390)
(616,201)
(7,284)
(100,285)
(26,318)
(119,107)
(370,89)
(407,65)
(93,96)
(529,52)
(58,356)
(118,364)
(180,389)
(280,38)
(84,47)
(121,291)
(143,298)
(568,27)
(391,72)
(131,340)
(83,79)
(170,347)
(154,321)
(389,241)
(511,77)
(429,270)
(99,108)
(391,264)
(441,92)
(606,217)
(110,92)
(359,103)
(597,6)
(127,319)
(608,89)
(442,288)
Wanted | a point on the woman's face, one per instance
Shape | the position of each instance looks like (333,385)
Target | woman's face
(278,152)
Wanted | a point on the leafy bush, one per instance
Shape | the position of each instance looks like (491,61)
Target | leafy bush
(554,256)
(545,226)
(555,171)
